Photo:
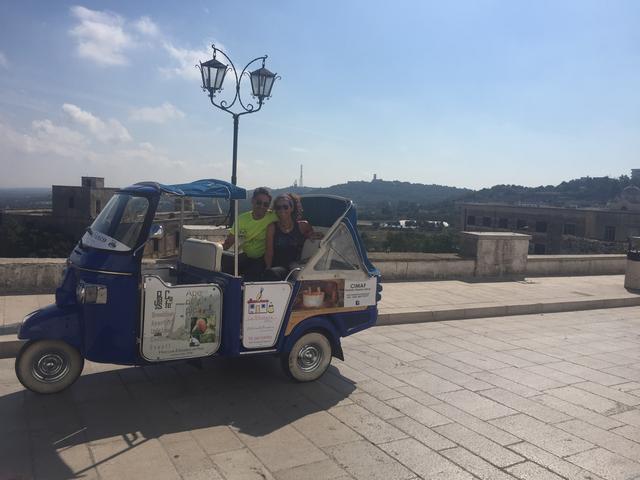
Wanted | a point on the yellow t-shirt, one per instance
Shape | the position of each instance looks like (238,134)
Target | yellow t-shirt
(253,233)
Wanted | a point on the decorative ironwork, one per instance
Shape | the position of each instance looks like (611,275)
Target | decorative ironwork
(226,105)
(264,79)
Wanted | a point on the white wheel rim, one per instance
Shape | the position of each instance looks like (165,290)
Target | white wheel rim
(310,357)
(50,367)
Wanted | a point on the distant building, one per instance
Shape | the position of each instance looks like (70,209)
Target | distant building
(84,202)
(74,208)
(560,230)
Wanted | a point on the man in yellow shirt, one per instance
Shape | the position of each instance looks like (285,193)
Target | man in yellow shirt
(252,230)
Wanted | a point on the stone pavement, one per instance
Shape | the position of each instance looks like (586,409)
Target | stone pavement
(548,396)
(454,299)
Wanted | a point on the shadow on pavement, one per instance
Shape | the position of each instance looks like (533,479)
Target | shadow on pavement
(120,409)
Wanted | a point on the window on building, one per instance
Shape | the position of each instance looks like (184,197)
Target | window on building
(539,248)
(569,229)
(610,233)
(521,224)
(72,202)
(541,227)
(156,245)
(486,221)
(503,223)
(471,220)
(98,206)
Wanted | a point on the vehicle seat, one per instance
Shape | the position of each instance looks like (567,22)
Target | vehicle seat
(202,254)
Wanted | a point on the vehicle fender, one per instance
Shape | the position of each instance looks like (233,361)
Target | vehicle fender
(53,323)
(316,324)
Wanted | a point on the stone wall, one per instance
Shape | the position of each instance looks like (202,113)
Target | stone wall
(41,275)
(30,275)
(567,265)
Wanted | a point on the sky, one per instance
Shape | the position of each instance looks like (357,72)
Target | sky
(460,93)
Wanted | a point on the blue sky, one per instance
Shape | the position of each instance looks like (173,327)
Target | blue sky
(468,94)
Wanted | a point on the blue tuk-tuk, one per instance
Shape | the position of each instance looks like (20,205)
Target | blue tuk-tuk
(112,307)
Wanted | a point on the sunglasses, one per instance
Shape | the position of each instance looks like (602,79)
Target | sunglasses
(262,204)
(282,207)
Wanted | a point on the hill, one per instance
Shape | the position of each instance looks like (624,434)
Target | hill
(382,191)
(581,192)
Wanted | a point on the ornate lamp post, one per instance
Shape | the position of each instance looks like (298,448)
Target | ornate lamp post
(213,73)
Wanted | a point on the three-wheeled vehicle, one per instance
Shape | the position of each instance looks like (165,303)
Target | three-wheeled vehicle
(112,307)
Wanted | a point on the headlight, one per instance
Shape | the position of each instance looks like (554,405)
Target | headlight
(90,293)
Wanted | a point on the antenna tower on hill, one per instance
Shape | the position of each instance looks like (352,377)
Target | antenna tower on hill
(300,184)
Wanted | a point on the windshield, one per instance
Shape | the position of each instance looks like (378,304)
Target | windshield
(119,224)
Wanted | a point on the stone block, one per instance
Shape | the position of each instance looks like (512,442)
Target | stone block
(497,254)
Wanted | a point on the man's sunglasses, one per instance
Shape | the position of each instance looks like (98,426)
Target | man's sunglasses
(282,207)
(262,204)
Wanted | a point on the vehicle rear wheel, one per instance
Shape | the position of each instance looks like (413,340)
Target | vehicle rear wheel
(48,366)
(309,358)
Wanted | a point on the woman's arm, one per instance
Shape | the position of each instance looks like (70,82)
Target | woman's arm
(268,253)
(307,230)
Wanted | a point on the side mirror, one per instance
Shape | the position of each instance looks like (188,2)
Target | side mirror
(157,232)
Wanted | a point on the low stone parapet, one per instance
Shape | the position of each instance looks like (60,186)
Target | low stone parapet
(30,275)
(398,267)
(567,265)
(42,275)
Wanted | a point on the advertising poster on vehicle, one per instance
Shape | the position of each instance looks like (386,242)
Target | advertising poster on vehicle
(264,307)
(315,294)
(335,293)
(359,293)
(180,321)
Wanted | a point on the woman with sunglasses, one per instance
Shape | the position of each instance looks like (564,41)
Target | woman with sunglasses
(285,238)
(252,229)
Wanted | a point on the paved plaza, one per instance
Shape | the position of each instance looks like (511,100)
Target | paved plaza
(531,397)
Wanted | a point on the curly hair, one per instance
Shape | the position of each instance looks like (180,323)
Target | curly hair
(261,191)
(294,201)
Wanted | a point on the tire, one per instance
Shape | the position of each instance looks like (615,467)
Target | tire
(309,358)
(48,366)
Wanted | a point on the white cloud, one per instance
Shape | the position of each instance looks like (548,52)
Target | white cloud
(46,153)
(101,36)
(160,114)
(146,26)
(4,63)
(45,137)
(111,131)
(106,38)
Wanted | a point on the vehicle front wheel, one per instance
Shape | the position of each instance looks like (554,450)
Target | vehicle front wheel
(309,358)
(48,366)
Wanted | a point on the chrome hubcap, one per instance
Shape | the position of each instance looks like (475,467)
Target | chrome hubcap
(309,357)
(50,367)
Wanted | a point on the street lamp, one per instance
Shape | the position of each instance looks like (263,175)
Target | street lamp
(213,73)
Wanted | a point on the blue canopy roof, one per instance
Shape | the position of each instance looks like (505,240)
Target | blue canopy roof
(209,187)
